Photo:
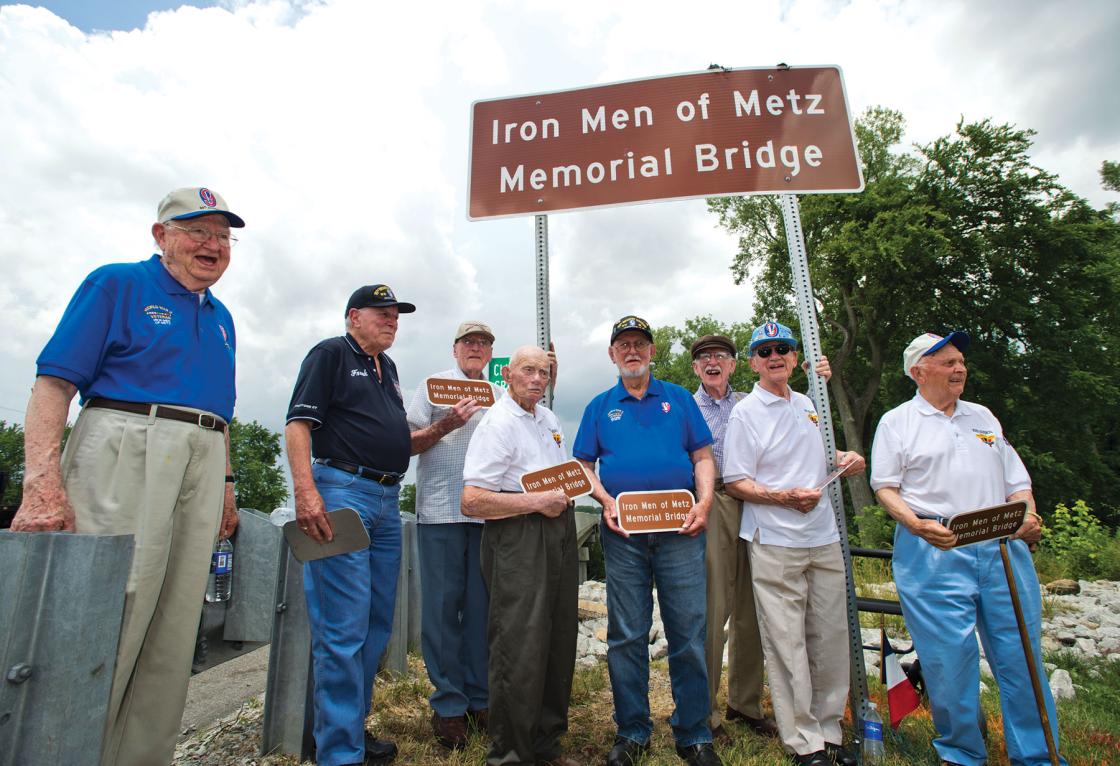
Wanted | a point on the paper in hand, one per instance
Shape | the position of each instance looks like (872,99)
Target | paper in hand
(833,476)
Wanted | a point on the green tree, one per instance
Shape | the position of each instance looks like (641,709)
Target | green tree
(11,461)
(962,233)
(1110,175)
(408,498)
(260,481)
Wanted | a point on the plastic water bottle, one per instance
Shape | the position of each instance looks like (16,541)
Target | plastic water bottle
(872,736)
(220,585)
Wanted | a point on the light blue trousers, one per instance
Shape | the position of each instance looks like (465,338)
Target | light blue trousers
(949,596)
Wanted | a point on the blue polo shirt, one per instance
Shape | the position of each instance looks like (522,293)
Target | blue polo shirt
(645,444)
(133,333)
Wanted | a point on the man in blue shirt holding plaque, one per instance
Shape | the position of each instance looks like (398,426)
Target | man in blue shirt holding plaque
(649,435)
(151,352)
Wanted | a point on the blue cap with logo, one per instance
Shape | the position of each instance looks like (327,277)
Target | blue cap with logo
(771,331)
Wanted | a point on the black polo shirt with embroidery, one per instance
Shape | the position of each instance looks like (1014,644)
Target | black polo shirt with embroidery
(354,416)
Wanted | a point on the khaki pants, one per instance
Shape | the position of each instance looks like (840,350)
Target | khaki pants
(729,592)
(161,481)
(801,598)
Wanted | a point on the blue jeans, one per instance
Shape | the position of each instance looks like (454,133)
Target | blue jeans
(350,600)
(676,563)
(453,627)
(949,596)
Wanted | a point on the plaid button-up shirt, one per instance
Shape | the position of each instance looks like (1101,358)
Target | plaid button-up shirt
(717,412)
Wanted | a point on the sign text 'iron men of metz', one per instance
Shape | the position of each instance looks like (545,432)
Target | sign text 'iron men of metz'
(745,131)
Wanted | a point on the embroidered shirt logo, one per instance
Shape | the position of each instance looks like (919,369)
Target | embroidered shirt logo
(363,373)
(614,415)
(556,437)
(665,407)
(812,416)
(987,437)
(225,336)
(160,315)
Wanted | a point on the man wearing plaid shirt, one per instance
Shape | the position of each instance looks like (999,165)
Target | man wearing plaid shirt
(455,604)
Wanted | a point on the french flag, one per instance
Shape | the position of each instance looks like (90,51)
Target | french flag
(902,697)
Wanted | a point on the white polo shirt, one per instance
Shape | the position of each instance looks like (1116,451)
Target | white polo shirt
(777,443)
(944,465)
(510,442)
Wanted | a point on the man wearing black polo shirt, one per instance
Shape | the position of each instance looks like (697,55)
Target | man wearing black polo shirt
(348,445)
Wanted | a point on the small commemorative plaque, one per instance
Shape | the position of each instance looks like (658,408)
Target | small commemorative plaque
(569,476)
(448,391)
(987,523)
(658,511)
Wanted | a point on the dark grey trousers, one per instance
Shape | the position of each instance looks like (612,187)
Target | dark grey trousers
(531,568)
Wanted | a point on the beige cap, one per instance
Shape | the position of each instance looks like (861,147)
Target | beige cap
(473,327)
(193,201)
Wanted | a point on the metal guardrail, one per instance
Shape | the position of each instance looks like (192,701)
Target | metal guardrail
(876,605)
(60,621)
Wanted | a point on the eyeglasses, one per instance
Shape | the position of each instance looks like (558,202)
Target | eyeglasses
(781,349)
(718,356)
(202,236)
(637,345)
(476,342)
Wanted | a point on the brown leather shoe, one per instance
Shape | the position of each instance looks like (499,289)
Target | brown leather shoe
(560,760)
(450,732)
(479,719)
(764,726)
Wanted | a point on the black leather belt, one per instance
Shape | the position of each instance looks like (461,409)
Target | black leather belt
(200,419)
(381,477)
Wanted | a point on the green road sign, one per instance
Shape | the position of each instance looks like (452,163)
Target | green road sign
(495,370)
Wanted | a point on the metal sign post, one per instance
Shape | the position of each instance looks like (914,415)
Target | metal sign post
(544,330)
(818,392)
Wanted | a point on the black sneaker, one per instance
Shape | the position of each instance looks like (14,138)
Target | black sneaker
(702,754)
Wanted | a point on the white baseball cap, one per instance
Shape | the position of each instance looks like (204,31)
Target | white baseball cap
(929,343)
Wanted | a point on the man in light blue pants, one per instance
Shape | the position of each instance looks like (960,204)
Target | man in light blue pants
(935,456)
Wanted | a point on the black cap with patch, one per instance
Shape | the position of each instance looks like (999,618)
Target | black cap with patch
(377,297)
(631,322)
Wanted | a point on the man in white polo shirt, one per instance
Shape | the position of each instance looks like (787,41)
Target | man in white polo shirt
(934,456)
(775,462)
(531,567)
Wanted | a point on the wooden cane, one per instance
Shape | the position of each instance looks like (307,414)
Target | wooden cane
(1024,636)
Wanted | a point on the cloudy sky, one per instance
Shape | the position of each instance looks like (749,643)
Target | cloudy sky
(339,131)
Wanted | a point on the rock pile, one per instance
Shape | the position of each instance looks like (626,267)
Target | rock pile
(1081,617)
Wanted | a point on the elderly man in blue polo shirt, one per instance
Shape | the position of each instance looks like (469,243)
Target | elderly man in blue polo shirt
(348,446)
(151,352)
(647,434)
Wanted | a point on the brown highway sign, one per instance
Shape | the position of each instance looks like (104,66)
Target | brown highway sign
(718,132)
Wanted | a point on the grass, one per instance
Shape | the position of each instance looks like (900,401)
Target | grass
(1089,724)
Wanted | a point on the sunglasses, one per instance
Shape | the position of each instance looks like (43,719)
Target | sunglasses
(782,349)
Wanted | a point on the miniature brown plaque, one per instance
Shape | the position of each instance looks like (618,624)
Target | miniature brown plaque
(987,523)
(569,477)
(448,391)
(659,511)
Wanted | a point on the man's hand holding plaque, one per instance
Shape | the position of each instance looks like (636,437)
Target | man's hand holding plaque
(447,392)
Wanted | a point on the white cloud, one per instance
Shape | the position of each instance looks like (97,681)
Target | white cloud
(339,131)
